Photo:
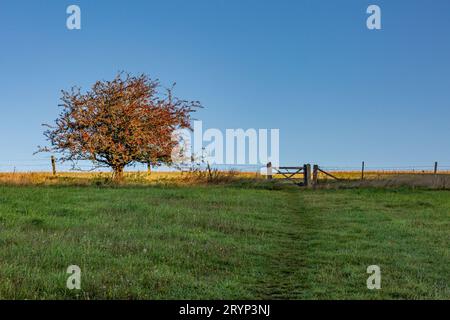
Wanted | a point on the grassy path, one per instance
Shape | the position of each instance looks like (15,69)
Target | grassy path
(284,276)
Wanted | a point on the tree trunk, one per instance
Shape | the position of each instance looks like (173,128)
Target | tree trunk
(118,174)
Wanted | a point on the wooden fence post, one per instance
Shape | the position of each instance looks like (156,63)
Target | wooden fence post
(53,165)
(435,167)
(315,174)
(362,170)
(269,170)
(307,175)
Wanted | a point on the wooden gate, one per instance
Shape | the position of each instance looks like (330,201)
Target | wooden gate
(290,173)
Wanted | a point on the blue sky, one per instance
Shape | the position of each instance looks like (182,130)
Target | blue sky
(338,92)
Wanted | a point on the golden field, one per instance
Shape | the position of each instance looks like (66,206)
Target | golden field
(346,178)
(131,177)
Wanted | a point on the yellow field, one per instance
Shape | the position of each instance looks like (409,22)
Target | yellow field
(88,178)
(374,178)
(356,175)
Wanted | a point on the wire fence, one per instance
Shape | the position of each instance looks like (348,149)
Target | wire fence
(43,164)
(411,169)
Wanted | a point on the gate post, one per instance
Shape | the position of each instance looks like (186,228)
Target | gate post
(315,174)
(307,175)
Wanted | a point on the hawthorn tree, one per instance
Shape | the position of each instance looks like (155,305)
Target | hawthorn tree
(117,123)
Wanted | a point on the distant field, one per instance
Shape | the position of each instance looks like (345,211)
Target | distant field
(144,178)
(133,178)
(224,242)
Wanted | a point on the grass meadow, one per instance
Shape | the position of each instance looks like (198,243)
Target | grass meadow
(221,241)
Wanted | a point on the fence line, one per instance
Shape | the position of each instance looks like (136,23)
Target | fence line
(45,164)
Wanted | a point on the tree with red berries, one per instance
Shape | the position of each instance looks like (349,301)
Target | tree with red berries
(118,123)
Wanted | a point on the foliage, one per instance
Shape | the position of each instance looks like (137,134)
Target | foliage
(119,122)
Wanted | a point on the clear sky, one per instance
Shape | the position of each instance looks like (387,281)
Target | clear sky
(338,92)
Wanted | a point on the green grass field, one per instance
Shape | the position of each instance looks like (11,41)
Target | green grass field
(219,242)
